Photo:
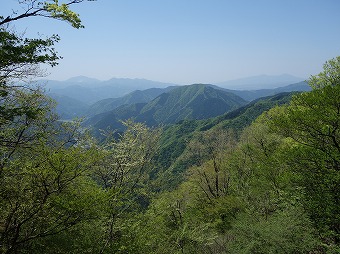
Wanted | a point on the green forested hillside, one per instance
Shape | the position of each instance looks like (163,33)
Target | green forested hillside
(175,137)
(264,178)
(190,102)
(134,97)
(113,119)
(245,115)
(68,108)
(186,102)
(272,189)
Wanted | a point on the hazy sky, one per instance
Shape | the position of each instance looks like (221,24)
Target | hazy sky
(192,41)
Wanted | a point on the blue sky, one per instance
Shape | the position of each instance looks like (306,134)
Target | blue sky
(192,41)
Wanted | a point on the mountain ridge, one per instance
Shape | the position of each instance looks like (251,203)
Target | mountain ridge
(185,102)
(93,90)
(260,82)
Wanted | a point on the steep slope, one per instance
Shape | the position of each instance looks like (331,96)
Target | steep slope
(172,165)
(245,115)
(68,108)
(124,91)
(190,102)
(137,96)
(181,103)
(113,119)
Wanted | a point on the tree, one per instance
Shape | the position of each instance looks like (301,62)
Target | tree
(173,224)
(311,124)
(48,9)
(208,152)
(21,57)
(45,191)
(122,172)
(248,212)
(45,188)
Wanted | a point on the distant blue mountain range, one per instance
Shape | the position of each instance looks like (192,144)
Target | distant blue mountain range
(260,82)
(83,96)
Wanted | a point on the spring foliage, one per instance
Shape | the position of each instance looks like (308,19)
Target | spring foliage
(271,186)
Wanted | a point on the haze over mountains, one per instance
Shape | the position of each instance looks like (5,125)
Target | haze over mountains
(89,90)
(260,82)
(106,103)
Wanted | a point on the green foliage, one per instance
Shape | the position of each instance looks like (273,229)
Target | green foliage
(62,12)
(172,224)
(328,77)
(122,172)
(173,159)
(20,57)
(178,104)
(287,231)
(16,50)
(44,190)
(311,121)
(25,122)
(50,9)
(240,195)
(271,187)
(19,60)
(244,116)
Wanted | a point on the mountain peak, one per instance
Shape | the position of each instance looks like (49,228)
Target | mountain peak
(261,82)
(82,79)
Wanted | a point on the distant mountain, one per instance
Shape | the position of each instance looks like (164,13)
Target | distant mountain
(186,102)
(110,94)
(113,119)
(83,80)
(137,96)
(250,95)
(260,82)
(69,108)
(90,90)
(135,84)
(190,102)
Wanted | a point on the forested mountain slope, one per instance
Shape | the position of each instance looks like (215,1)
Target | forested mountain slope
(185,102)
(257,178)
(138,96)
(272,187)
(175,137)
(67,108)
(190,102)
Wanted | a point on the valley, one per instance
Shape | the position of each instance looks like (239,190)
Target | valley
(195,163)
(153,105)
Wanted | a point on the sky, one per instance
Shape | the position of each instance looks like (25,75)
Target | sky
(191,41)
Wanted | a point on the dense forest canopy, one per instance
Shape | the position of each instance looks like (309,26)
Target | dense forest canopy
(261,179)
